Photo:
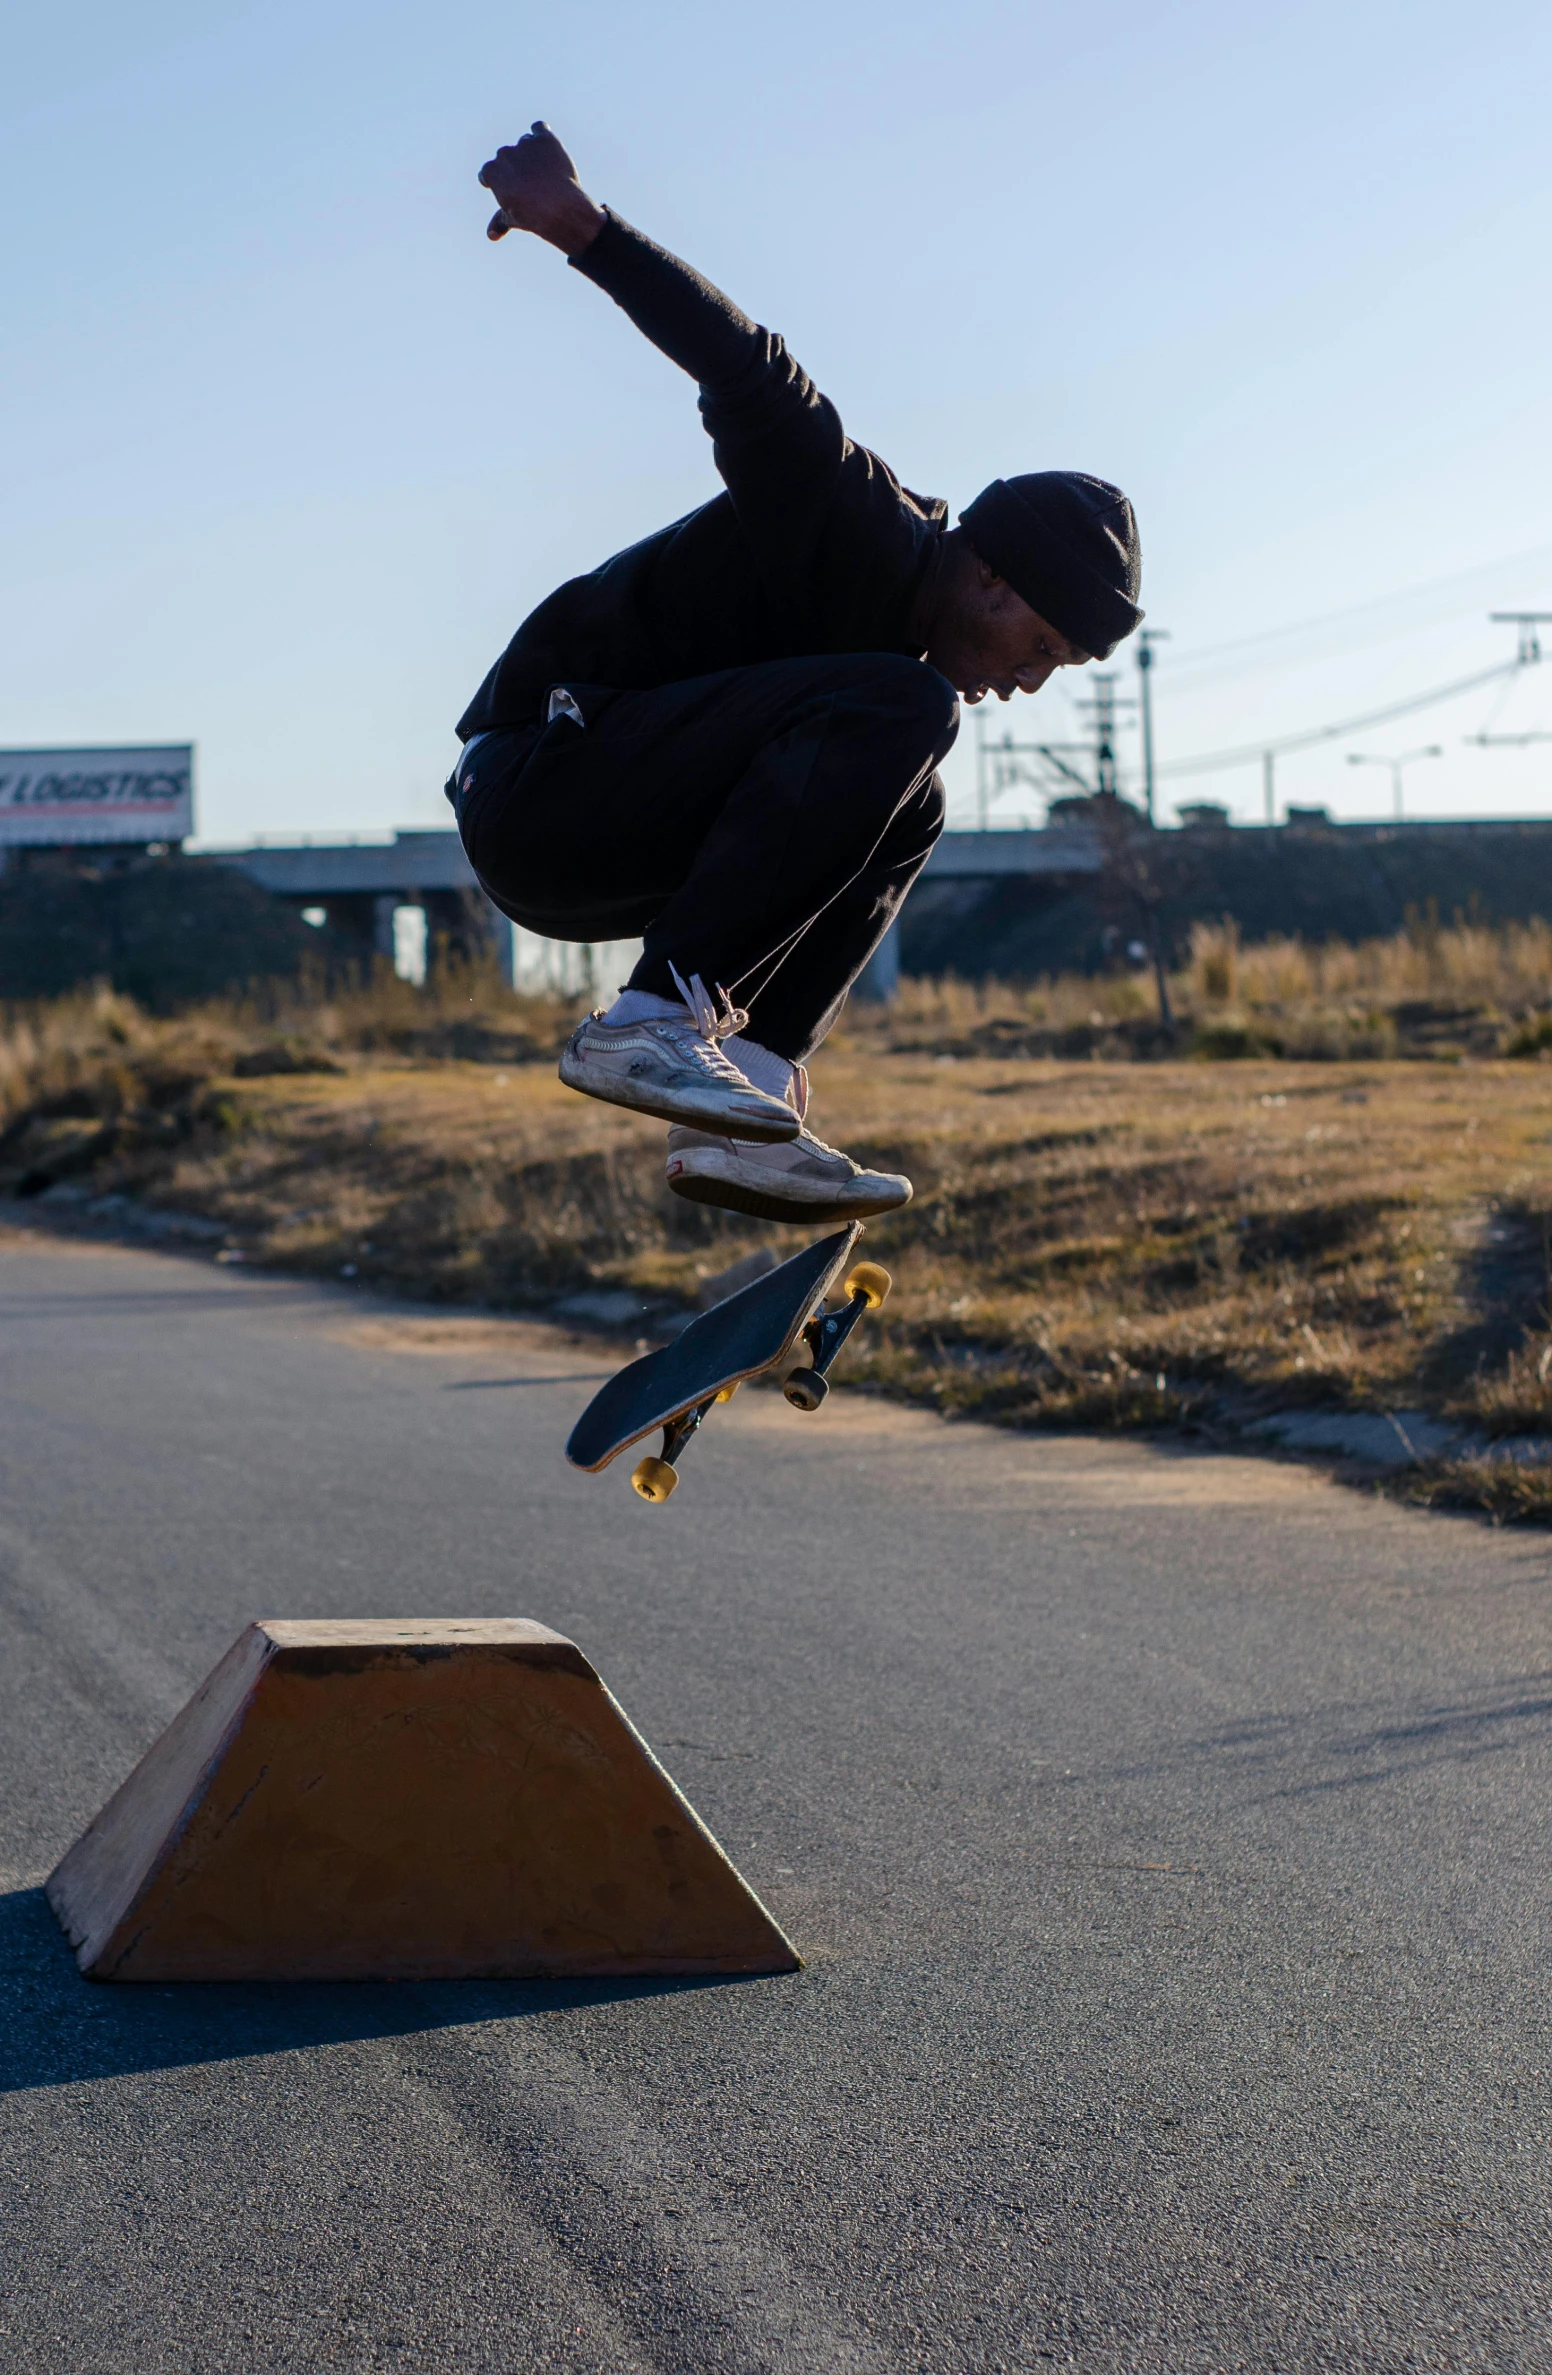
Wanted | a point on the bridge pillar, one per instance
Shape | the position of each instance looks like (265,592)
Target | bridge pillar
(461,924)
(880,976)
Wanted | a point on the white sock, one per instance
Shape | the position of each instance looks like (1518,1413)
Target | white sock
(640,1006)
(767,1070)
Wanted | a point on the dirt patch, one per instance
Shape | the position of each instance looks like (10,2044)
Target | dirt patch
(457,1339)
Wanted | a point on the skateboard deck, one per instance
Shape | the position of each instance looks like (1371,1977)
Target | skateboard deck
(756,1329)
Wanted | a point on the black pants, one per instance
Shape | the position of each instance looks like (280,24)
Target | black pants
(759,827)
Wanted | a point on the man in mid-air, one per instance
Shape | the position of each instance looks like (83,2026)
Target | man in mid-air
(726,739)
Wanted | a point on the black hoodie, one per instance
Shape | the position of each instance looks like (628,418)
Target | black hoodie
(815,547)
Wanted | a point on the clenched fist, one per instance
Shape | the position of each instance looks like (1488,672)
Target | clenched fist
(536,189)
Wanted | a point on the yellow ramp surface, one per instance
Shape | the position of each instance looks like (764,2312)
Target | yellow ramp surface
(379,1800)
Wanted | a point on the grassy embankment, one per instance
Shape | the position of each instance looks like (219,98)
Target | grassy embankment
(1360,1223)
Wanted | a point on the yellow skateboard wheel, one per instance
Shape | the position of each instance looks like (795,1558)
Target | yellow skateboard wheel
(805,1390)
(728,1391)
(653,1478)
(871,1281)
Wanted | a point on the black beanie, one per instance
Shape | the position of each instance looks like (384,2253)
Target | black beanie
(1067,545)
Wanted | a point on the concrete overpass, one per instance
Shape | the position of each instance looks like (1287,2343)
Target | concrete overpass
(997,895)
(357,885)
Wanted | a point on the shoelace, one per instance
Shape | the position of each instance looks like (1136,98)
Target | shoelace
(808,1137)
(705,1026)
(713,1022)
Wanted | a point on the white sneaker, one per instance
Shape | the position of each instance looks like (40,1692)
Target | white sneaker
(673,1066)
(804,1180)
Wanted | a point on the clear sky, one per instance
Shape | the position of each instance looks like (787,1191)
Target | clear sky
(291,448)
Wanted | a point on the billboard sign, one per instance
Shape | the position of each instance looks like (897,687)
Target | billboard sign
(53,796)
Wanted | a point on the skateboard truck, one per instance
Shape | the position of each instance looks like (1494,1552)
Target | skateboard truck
(865,1289)
(656,1476)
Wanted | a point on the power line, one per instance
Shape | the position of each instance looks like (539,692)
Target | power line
(1378,605)
(1002,764)
(1275,746)
(1049,768)
(1526,622)
(1072,769)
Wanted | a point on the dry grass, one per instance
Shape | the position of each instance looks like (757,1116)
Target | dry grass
(1510,1492)
(1093,1243)
(1468,990)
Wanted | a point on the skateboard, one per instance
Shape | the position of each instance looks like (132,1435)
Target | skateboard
(759,1328)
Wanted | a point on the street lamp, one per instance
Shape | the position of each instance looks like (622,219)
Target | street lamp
(1364,758)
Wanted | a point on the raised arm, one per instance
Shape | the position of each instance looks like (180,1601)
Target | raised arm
(685,317)
(826,516)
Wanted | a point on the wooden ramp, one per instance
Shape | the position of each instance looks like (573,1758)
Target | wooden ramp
(418,1800)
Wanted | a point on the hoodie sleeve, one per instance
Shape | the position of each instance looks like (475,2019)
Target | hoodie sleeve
(836,538)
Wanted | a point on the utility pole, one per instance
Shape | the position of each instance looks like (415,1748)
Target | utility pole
(1102,706)
(1269,784)
(1146,639)
(1527,621)
(1528,655)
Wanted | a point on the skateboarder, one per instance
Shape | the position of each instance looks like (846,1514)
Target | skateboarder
(726,738)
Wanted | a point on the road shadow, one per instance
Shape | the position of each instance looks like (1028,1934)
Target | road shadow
(58,2029)
(1454,1734)
(1344,1745)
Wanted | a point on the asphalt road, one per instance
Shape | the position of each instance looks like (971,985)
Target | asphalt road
(1167,1835)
